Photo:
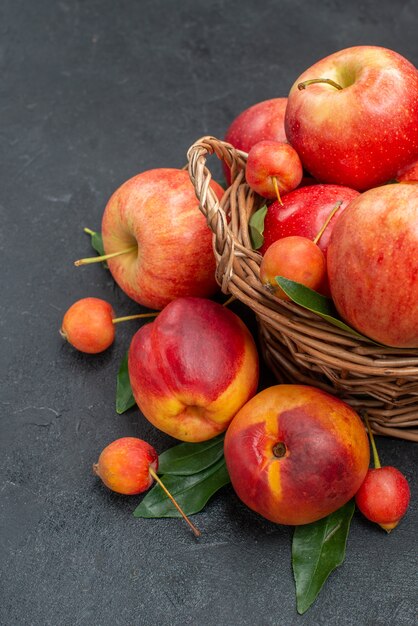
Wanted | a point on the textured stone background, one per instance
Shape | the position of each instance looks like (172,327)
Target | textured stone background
(91,93)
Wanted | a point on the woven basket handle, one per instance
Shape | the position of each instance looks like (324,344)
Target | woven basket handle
(228,218)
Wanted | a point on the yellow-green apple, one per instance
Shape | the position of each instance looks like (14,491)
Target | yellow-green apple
(153,220)
(353,116)
(304,213)
(373,265)
(296,454)
(261,121)
(296,258)
(273,168)
(193,368)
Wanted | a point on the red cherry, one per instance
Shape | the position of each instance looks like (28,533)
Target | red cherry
(384,496)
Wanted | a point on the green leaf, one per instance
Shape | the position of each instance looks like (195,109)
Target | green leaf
(96,241)
(191,492)
(256,225)
(317,549)
(189,458)
(124,396)
(315,302)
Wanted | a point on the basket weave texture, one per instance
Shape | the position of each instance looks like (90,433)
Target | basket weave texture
(300,346)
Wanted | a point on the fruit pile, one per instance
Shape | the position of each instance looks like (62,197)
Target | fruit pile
(337,165)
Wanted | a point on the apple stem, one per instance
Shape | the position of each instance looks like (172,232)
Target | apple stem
(276,189)
(373,444)
(312,81)
(155,476)
(327,221)
(137,316)
(104,257)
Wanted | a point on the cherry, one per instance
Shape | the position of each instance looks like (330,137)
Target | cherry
(129,466)
(273,167)
(384,495)
(89,325)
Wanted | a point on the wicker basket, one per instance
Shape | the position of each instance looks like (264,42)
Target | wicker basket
(298,345)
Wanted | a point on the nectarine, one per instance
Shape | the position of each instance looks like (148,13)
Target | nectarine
(296,454)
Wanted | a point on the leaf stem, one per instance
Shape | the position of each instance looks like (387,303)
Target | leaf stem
(312,81)
(327,221)
(372,442)
(126,318)
(104,257)
(276,189)
(155,476)
(89,231)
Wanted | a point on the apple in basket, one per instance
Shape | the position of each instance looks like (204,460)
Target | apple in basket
(158,245)
(373,264)
(353,116)
(310,212)
(260,122)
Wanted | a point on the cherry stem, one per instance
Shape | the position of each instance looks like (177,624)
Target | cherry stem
(327,221)
(276,189)
(313,81)
(228,302)
(155,476)
(373,444)
(116,320)
(104,257)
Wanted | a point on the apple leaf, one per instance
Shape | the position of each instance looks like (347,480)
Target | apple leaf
(256,226)
(124,397)
(191,492)
(189,458)
(317,549)
(96,241)
(315,302)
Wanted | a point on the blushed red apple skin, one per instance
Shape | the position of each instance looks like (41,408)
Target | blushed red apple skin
(259,122)
(384,496)
(361,135)
(296,258)
(268,159)
(326,459)
(124,464)
(158,210)
(304,212)
(408,174)
(87,325)
(373,265)
(193,368)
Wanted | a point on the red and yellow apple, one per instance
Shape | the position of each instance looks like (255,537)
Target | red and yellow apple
(373,265)
(193,368)
(304,212)
(155,218)
(296,454)
(353,116)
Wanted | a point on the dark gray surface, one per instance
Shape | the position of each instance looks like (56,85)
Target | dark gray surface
(92,93)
